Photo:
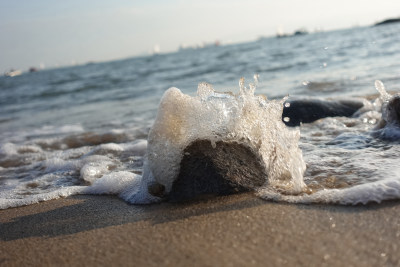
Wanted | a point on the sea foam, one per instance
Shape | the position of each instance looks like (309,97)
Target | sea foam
(385,189)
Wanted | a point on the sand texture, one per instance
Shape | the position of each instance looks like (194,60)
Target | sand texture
(237,230)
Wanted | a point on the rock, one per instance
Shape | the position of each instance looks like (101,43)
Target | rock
(156,189)
(308,110)
(226,168)
(393,110)
(390,113)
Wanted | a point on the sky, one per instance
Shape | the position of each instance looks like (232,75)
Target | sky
(50,33)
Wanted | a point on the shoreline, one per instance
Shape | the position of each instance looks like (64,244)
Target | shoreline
(238,230)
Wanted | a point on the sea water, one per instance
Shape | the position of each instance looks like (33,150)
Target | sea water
(84,129)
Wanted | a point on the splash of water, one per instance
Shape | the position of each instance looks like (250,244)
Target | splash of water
(382,91)
(244,118)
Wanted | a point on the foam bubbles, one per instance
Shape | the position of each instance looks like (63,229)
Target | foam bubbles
(8,149)
(360,194)
(113,183)
(95,167)
(10,202)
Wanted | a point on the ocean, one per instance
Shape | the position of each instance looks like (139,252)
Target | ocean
(84,129)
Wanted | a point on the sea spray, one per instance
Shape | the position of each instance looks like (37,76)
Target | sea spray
(243,118)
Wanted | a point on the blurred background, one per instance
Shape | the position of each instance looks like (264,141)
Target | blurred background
(105,64)
(48,34)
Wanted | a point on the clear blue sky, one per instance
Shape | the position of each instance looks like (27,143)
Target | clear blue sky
(34,32)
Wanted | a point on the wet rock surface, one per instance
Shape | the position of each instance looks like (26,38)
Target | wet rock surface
(226,168)
(309,110)
(156,189)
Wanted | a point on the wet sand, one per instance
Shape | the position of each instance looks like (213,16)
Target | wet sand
(238,230)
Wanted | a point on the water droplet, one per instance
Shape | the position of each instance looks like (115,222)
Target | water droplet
(241,84)
(381,89)
(256,79)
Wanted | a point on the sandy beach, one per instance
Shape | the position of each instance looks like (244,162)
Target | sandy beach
(237,230)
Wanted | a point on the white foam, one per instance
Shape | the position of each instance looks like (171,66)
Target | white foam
(360,194)
(6,203)
(94,167)
(113,183)
(137,192)
(111,147)
(8,149)
(138,148)
(93,170)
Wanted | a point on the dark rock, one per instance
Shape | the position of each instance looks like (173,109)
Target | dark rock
(309,110)
(228,168)
(392,113)
(393,110)
(156,189)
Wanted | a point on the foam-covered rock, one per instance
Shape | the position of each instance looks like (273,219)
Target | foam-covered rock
(240,135)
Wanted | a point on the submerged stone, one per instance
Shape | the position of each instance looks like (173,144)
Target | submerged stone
(297,111)
(226,168)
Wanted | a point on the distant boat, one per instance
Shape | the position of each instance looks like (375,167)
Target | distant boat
(12,73)
(296,33)
(202,45)
(282,35)
(33,69)
(300,32)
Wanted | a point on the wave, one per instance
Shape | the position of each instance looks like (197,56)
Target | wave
(211,143)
